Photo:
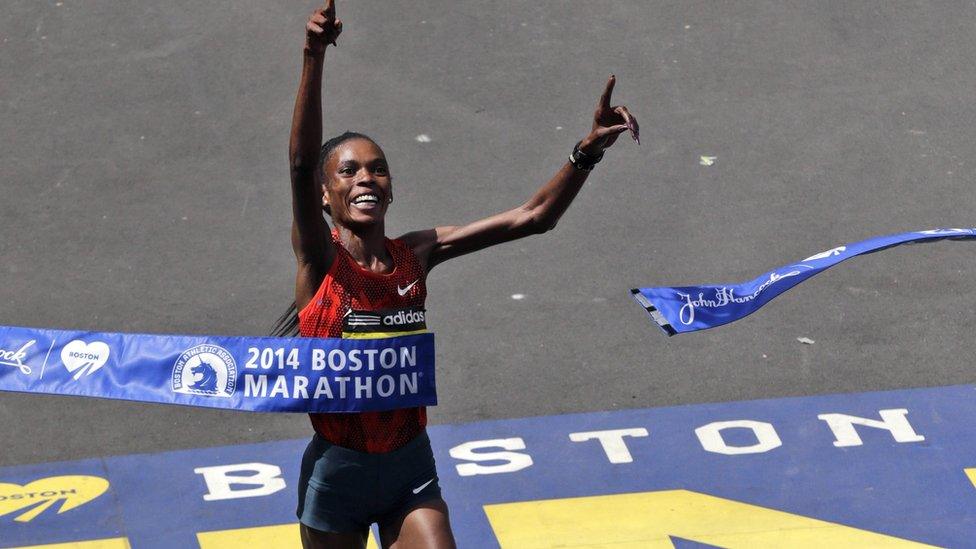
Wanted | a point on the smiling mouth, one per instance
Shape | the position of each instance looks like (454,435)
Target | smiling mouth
(366,201)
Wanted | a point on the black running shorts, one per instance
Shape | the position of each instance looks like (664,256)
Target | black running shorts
(342,490)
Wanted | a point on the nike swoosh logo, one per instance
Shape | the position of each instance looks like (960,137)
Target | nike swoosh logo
(403,291)
(420,488)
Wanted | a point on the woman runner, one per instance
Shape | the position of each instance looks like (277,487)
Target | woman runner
(378,467)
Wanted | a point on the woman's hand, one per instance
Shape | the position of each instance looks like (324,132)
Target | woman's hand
(608,123)
(322,29)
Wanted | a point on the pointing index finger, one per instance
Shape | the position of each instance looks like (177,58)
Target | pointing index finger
(330,8)
(607,92)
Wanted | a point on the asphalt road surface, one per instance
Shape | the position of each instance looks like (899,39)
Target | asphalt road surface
(145,189)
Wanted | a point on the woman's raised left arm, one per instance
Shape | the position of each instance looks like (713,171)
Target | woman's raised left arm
(541,212)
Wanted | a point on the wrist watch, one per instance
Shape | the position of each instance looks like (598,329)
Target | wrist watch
(583,161)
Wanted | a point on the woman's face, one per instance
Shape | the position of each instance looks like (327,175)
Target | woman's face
(357,185)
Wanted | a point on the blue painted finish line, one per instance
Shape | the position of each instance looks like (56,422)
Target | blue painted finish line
(892,463)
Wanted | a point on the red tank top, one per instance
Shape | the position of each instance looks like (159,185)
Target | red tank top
(348,288)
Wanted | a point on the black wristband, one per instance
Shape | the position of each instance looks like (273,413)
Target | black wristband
(582,161)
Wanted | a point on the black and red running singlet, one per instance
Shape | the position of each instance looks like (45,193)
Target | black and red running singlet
(354,302)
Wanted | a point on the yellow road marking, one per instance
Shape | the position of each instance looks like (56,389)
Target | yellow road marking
(971,473)
(70,491)
(646,520)
(113,543)
(282,536)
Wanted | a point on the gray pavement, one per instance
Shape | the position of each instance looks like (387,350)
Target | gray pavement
(144,183)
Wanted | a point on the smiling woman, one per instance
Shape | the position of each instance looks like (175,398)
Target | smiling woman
(346,165)
(354,282)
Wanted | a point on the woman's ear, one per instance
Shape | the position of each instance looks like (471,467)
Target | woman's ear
(325,201)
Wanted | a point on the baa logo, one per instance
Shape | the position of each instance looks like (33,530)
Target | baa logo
(206,370)
(32,499)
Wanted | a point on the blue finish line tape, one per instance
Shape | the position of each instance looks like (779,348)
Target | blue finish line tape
(681,309)
(258,374)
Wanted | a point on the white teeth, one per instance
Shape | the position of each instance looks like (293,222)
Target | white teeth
(366,198)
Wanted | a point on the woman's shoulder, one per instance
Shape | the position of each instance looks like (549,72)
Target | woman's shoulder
(419,243)
(409,247)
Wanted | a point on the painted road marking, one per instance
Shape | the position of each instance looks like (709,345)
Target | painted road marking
(38,496)
(283,536)
(891,467)
(971,474)
(650,520)
(116,543)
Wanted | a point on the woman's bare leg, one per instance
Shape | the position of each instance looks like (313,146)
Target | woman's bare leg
(316,539)
(424,526)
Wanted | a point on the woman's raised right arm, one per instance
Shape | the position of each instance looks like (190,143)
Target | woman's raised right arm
(310,233)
